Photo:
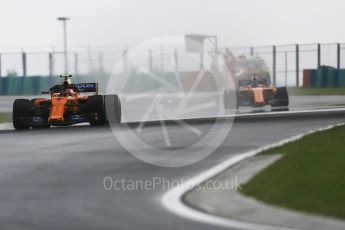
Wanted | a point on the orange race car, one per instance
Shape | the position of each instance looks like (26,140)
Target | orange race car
(258,93)
(66,106)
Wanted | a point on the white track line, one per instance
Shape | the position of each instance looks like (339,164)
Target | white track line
(172,200)
(275,114)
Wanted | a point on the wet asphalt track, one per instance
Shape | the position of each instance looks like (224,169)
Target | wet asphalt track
(53,179)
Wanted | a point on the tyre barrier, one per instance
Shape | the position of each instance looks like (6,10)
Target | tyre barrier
(325,76)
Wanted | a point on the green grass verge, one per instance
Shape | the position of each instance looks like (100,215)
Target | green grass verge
(5,117)
(309,177)
(316,91)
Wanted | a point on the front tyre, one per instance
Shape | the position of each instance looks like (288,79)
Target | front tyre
(21,114)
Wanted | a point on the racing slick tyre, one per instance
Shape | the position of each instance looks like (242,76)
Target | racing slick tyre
(113,104)
(228,102)
(21,114)
(281,97)
(95,108)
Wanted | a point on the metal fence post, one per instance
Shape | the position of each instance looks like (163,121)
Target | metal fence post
(338,56)
(162,59)
(274,65)
(91,67)
(100,63)
(318,55)
(286,66)
(51,64)
(0,66)
(24,63)
(297,65)
(201,60)
(176,60)
(76,64)
(150,61)
(125,60)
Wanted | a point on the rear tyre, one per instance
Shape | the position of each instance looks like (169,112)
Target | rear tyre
(281,97)
(96,111)
(21,114)
(113,108)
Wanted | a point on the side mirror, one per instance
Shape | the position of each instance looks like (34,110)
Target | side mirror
(45,92)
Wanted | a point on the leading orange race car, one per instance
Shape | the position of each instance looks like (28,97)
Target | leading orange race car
(66,106)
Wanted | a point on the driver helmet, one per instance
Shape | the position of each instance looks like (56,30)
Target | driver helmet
(65,84)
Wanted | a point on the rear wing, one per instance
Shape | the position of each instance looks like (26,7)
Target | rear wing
(243,83)
(87,87)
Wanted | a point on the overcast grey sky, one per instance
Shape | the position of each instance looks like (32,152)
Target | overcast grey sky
(121,22)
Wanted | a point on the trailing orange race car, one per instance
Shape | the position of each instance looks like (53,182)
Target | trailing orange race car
(258,93)
(66,106)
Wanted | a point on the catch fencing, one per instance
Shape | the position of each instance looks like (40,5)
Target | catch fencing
(286,62)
